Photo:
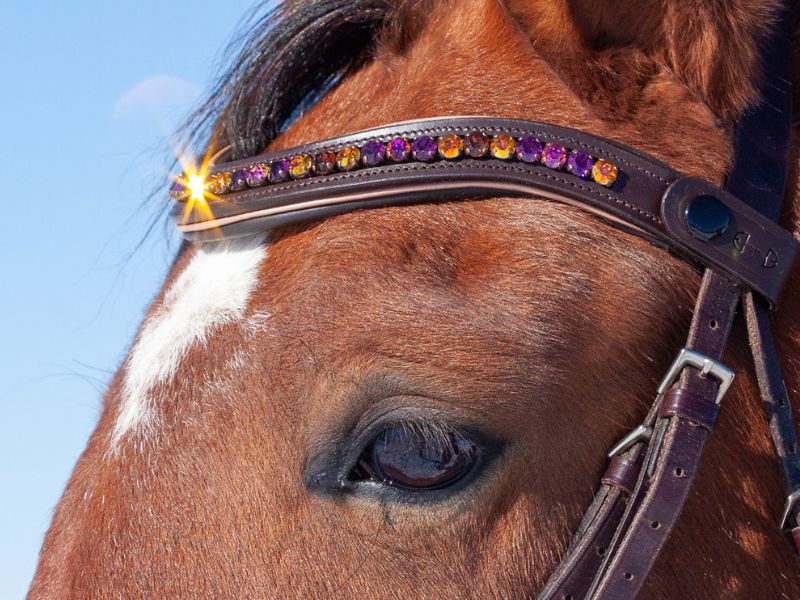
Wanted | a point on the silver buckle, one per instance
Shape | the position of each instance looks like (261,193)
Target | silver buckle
(791,502)
(707,366)
(641,434)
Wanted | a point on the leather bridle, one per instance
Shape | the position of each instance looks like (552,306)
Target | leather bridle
(731,234)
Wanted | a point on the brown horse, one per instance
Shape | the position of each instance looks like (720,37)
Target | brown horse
(528,335)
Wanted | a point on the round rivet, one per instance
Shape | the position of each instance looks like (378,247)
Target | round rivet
(707,217)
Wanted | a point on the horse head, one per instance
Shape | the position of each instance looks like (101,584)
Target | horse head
(416,401)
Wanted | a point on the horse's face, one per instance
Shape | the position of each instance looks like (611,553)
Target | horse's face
(411,399)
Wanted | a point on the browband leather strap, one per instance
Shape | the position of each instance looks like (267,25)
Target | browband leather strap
(647,198)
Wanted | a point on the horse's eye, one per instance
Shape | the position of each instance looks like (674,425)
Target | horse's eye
(412,457)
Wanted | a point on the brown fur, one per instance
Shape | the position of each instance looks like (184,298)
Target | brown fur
(529,320)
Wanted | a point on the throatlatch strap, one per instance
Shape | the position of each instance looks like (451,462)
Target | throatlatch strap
(777,407)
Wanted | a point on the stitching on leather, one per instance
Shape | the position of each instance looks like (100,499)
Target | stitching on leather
(411,167)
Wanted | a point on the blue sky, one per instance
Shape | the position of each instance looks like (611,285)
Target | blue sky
(91,91)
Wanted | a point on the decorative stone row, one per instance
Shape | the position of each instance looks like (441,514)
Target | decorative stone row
(526,149)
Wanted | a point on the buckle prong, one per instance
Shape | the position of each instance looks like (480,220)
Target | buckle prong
(641,434)
(791,501)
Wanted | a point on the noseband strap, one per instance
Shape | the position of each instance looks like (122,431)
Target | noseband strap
(731,234)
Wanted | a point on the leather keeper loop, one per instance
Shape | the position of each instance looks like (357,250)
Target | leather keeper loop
(621,473)
(691,406)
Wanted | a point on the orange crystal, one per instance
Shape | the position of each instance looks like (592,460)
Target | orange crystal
(502,146)
(605,172)
(300,166)
(219,183)
(450,146)
(348,158)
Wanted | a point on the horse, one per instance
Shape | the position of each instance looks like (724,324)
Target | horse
(244,443)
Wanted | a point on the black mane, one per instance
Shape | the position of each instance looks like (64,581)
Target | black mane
(283,61)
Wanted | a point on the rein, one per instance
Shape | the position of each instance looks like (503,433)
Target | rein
(729,233)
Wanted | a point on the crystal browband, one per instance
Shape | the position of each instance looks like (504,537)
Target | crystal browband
(460,158)
(425,148)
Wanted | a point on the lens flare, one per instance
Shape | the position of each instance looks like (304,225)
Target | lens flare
(195,188)
(196,182)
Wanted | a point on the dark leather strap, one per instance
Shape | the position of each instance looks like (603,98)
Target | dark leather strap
(674,453)
(777,408)
(759,177)
(695,408)
(622,472)
(647,198)
(761,183)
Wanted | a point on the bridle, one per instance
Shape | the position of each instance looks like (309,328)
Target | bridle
(731,234)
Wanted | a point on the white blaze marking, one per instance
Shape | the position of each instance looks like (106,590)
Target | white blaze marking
(212,291)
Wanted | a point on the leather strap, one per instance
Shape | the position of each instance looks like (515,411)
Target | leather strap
(695,408)
(648,198)
(674,452)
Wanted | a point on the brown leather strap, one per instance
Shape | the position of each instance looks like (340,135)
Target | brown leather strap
(647,198)
(601,523)
(695,408)
(673,455)
(777,407)
(622,472)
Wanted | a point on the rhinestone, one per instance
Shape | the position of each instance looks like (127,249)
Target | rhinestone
(178,189)
(239,180)
(279,170)
(554,156)
(325,162)
(219,183)
(348,158)
(257,175)
(477,144)
(300,166)
(529,149)
(373,153)
(450,146)
(580,163)
(398,149)
(604,172)
(424,148)
(502,146)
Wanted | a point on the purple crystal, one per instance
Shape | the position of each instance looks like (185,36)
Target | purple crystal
(554,156)
(279,170)
(398,149)
(373,153)
(424,148)
(256,175)
(529,149)
(580,163)
(239,179)
(177,190)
